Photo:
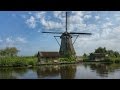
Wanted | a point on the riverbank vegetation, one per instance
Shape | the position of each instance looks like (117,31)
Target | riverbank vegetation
(109,55)
(18,61)
(8,57)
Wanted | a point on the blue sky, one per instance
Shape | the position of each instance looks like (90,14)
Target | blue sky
(22,29)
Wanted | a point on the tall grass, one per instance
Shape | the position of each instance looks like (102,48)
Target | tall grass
(18,61)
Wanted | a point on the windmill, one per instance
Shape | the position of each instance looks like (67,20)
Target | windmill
(66,46)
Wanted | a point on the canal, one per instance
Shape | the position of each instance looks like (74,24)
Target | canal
(68,71)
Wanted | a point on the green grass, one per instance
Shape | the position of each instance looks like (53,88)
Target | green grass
(69,59)
(18,61)
(107,59)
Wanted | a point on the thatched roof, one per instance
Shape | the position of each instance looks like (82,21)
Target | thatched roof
(48,54)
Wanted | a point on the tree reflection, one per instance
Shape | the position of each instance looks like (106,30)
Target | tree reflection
(12,73)
(65,71)
(45,71)
(6,73)
(20,71)
(103,69)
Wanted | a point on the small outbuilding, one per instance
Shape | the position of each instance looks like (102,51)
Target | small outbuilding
(97,56)
(43,56)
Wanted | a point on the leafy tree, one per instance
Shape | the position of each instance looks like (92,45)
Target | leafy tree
(85,55)
(116,54)
(101,50)
(110,53)
(9,51)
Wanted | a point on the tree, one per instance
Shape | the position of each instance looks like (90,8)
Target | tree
(9,51)
(116,54)
(36,55)
(85,55)
(101,50)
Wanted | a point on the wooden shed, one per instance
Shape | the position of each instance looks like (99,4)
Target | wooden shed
(48,55)
(97,56)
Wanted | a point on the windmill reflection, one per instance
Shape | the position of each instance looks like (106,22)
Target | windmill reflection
(64,71)
(68,71)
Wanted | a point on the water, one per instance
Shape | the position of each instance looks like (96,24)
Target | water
(69,71)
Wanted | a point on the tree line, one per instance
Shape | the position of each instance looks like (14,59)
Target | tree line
(103,50)
(9,51)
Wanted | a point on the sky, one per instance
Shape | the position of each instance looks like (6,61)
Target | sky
(22,29)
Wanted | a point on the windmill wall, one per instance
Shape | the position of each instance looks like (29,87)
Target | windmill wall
(66,48)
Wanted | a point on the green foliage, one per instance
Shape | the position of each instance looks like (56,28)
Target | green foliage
(68,59)
(9,51)
(85,57)
(35,55)
(18,61)
(110,55)
(101,50)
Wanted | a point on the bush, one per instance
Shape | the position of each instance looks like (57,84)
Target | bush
(31,62)
(18,61)
(117,61)
(68,59)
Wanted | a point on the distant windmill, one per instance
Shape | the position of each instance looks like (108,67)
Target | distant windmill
(66,46)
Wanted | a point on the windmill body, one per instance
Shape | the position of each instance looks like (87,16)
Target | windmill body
(66,47)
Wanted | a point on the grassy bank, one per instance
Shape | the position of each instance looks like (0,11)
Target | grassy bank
(31,61)
(108,60)
(17,61)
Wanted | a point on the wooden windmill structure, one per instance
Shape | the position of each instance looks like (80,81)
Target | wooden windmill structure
(66,46)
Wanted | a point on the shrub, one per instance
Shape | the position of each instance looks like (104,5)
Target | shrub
(18,61)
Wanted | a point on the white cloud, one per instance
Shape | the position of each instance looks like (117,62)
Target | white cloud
(51,24)
(87,16)
(107,24)
(9,40)
(76,19)
(21,40)
(13,41)
(60,15)
(31,22)
(78,13)
(107,18)
(40,15)
(97,17)
(1,40)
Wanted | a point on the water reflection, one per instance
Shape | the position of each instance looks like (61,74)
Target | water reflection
(69,71)
(11,73)
(45,71)
(64,71)
(6,74)
(104,69)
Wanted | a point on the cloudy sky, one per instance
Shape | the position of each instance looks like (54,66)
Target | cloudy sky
(22,29)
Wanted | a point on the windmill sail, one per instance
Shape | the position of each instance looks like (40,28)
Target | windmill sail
(66,21)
